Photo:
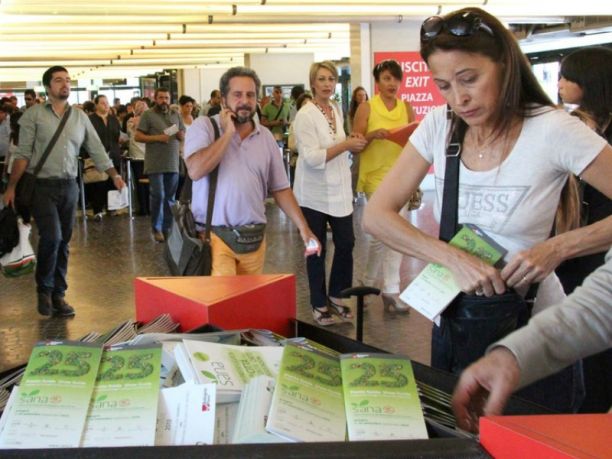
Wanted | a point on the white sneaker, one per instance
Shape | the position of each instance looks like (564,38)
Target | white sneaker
(98,217)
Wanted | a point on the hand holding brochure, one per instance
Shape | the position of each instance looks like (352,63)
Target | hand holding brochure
(435,287)
(171,130)
(401,135)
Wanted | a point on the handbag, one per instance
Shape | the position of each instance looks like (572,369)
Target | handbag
(9,230)
(185,253)
(242,239)
(21,260)
(24,192)
(91,174)
(470,323)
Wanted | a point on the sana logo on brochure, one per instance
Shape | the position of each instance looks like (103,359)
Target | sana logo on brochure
(209,375)
(201,356)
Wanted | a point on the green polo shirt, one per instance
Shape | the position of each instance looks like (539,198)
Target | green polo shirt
(273,112)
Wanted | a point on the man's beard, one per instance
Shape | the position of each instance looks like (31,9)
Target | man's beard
(62,96)
(163,107)
(241,119)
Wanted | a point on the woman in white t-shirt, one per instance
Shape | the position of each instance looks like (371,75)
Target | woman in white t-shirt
(517,152)
(322,187)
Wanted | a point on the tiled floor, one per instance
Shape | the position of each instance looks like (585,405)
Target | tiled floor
(106,256)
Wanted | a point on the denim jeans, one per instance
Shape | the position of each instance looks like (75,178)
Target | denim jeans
(53,208)
(162,191)
(341,275)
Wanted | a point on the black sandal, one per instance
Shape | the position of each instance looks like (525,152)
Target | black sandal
(342,311)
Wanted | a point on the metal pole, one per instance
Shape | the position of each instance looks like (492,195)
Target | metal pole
(82,189)
(129,185)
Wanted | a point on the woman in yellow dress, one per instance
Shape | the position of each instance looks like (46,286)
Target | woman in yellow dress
(374,119)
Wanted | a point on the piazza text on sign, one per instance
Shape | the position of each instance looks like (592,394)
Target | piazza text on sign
(417,86)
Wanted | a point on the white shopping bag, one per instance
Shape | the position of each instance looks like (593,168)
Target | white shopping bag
(21,260)
(118,199)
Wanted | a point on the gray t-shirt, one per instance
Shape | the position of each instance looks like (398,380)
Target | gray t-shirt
(159,156)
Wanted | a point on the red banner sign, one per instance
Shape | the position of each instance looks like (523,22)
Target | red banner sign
(417,87)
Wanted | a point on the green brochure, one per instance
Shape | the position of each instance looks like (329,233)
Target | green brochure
(435,287)
(123,409)
(307,404)
(53,396)
(381,398)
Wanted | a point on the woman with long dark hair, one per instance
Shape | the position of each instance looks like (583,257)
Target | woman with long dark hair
(358,97)
(517,150)
(586,81)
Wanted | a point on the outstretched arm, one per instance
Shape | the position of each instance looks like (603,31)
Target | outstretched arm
(287,202)
(558,336)
(485,387)
(382,220)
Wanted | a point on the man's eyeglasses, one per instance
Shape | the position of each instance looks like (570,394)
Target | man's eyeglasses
(460,25)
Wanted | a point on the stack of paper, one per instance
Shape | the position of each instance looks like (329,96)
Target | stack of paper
(381,398)
(161,324)
(308,404)
(226,416)
(186,415)
(230,367)
(121,333)
(124,403)
(50,407)
(253,412)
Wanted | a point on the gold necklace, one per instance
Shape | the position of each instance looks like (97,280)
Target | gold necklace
(480,149)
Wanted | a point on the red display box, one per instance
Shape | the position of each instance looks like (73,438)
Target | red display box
(547,436)
(230,302)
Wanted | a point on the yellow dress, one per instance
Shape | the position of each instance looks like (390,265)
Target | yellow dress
(376,160)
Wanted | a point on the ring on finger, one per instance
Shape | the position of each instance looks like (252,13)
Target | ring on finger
(479,292)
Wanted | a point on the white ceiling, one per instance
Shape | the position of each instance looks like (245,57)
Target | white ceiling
(118,38)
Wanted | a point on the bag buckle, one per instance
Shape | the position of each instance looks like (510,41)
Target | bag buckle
(453,150)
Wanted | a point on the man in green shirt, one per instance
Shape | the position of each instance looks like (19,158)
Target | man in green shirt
(275,115)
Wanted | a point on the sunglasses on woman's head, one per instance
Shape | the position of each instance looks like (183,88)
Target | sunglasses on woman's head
(459,25)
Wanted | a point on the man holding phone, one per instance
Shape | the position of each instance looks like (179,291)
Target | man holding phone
(161,130)
(250,167)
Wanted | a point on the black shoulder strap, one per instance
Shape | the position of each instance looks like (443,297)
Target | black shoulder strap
(186,192)
(52,142)
(279,110)
(212,187)
(450,196)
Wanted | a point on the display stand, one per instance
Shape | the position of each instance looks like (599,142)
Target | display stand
(230,302)
(268,301)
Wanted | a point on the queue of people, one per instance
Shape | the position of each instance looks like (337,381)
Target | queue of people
(514,149)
